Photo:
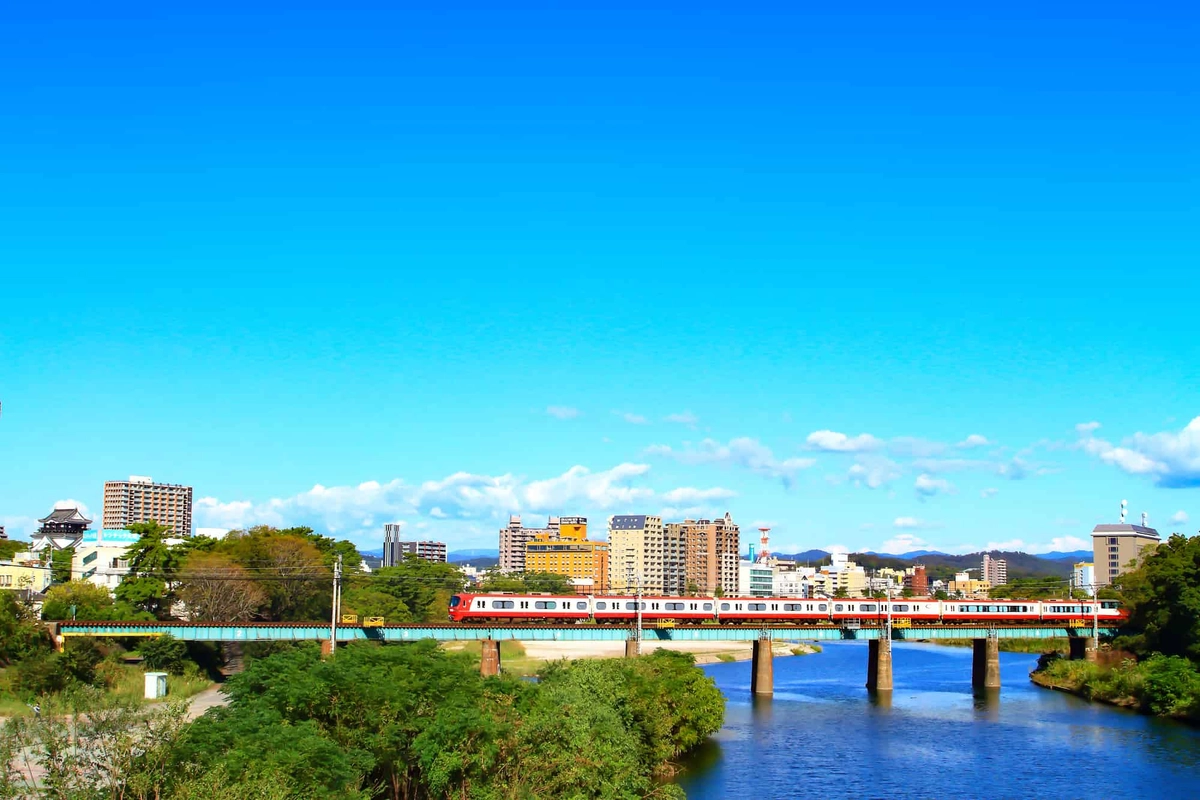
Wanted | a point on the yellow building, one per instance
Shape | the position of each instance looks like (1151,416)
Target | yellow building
(19,576)
(964,587)
(570,554)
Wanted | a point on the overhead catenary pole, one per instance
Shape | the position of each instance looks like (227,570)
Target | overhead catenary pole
(637,635)
(337,606)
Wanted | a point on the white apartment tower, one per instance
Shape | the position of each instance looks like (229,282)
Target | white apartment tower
(994,570)
(636,554)
(513,540)
(140,499)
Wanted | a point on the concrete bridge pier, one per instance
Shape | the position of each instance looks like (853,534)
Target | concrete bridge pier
(762,668)
(489,662)
(1081,649)
(879,665)
(631,647)
(985,668)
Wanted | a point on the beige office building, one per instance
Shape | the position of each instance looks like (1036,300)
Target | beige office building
(1116,547)
(636,553)
(514,538)
(711,555)
(140,499)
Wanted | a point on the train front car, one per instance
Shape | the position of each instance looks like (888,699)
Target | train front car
(460,607)
(521,608)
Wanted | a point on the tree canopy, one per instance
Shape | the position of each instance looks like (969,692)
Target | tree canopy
(1163,597)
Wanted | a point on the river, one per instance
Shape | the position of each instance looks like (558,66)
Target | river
(821,735)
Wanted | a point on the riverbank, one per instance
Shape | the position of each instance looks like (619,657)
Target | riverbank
(526,658)
(1059,645)
(1159,686)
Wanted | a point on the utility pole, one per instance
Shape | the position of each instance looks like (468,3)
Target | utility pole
(637,636)
(889,606)
(1095,617)
(337,606)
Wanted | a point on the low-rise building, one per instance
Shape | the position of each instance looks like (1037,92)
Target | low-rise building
(755,579)
(572,554)
(23,575)
(101,557)
(964,587)
(1083,577)
(394,550)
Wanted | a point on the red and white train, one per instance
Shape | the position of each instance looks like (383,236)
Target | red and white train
(545,609)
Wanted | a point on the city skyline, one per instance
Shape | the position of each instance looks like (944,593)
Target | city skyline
(878,280)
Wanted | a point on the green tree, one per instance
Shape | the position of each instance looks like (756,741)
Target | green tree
(424,587)
(60,564)
(906,591)
(164,653)
(840,592)
(294,572)
(90,602)
(940,594)
(1163,596)
(153,563)
(527,582)
(20,634)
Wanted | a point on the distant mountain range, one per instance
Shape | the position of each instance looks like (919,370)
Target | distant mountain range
(943,565)
(478,558)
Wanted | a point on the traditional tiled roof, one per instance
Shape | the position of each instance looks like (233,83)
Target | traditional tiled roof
(62,516)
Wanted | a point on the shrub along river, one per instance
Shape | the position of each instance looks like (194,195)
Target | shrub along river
(822,735)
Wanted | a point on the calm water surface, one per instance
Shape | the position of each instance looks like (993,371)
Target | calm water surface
(822,736)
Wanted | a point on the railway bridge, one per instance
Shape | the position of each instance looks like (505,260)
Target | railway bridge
(985,665)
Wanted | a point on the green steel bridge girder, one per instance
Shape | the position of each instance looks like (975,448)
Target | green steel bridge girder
(566,633)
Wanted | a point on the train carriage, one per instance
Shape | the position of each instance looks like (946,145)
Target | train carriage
(780,610)
(990,611)
(624,609)
(501,607)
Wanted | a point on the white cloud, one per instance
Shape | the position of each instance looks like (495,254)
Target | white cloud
(212,533)
(351,510)
(632,419)
(1015,470)
(873,471)
(832,441)
(683,418)
(743,452)
(562,412)
(1179,517)
(1087,428)
(687,494)
(928,486)
(907,522)
(941,465)
(974,440)
(991,491)
(1173,459)
(579,485)
(1058,544)
(903,543)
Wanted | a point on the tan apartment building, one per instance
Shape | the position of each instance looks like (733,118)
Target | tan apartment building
(1116,547)
(993,570)
(570,553)
(711,555)
(514,538)
(674,559)
(635,553)
(140,499)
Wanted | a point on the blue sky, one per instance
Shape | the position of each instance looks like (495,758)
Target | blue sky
(868,276)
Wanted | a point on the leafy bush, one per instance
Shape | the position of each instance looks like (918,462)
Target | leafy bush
(164,653)
(1170,685)
(40,675)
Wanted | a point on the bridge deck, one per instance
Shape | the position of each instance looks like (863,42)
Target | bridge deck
(309,631)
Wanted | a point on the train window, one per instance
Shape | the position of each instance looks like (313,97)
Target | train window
(901,607)
(693,607)
(631,606)
(541,604)
(502,604)
(601,605)
(791,607)
(481,603)
(774,607)
(756,606)
(837,607)
(454,601)
(524,604)
(581,606)
(724,606)
(823,607)
(677,606)
(654,606)
(708,606)
(737,607)
(867,607)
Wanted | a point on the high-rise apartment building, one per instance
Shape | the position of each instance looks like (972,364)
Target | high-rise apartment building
(993,570)
(635,553)
(394,549)
(570,553)
(674,559)
(916,581)
(514,538)
(140,499)
(1115,547)
(711,555)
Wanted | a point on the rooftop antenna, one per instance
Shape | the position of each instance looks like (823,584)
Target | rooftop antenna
(764,554)
(1123,510)
(1143,519)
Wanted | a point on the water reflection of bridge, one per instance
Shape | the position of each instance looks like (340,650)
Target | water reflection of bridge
(985,664)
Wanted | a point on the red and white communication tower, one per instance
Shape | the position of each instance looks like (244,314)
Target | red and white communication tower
(764,554)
